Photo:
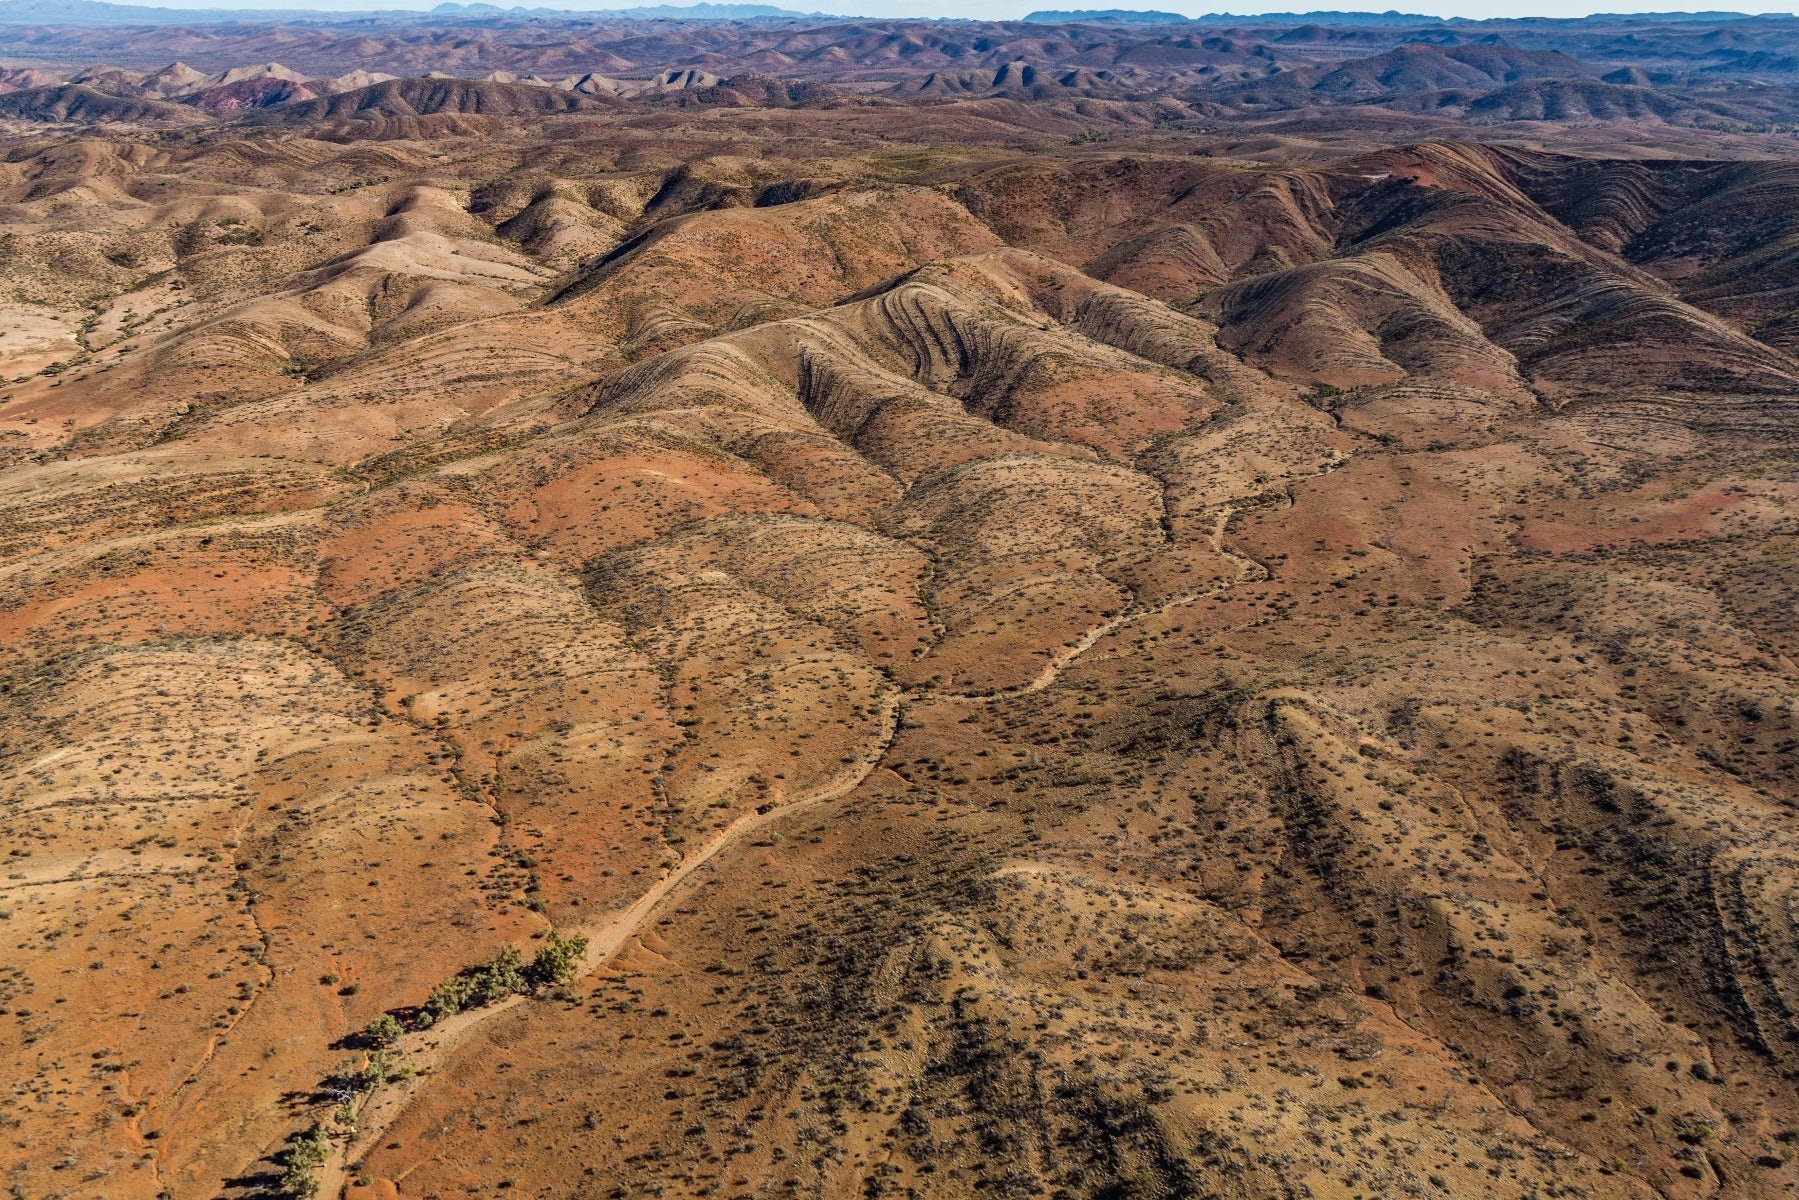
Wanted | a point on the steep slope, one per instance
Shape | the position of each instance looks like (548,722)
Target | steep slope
(1429,68)
(734,266)
(83,105)
(430,97)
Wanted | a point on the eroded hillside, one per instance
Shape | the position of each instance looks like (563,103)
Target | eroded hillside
(1036,669)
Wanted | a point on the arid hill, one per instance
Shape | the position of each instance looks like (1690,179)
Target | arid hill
(1733,73)
(701,625)
(75,104)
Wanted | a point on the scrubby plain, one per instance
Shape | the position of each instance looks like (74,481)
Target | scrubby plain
(1177,662)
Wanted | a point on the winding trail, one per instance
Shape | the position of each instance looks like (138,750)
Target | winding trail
(426,1050)
(1247,569)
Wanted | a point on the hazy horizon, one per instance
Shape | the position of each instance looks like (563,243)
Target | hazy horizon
(1001,10)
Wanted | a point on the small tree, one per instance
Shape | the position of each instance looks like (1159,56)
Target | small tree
(377,1071)
(384,1030)
(558,961)
(502,977)
(446,1000)
(300,1165)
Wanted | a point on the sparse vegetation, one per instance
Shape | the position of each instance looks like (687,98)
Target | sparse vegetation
(1016,629)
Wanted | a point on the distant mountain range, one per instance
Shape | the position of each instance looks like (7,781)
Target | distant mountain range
(98,12)
(1132,16)
(675,12)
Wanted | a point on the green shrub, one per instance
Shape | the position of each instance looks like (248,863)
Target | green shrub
(502,977)
(300,1164)
(377,1071)
(447,999)
(558,961)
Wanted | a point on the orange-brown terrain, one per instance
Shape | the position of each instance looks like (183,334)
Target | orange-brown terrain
(950,639)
